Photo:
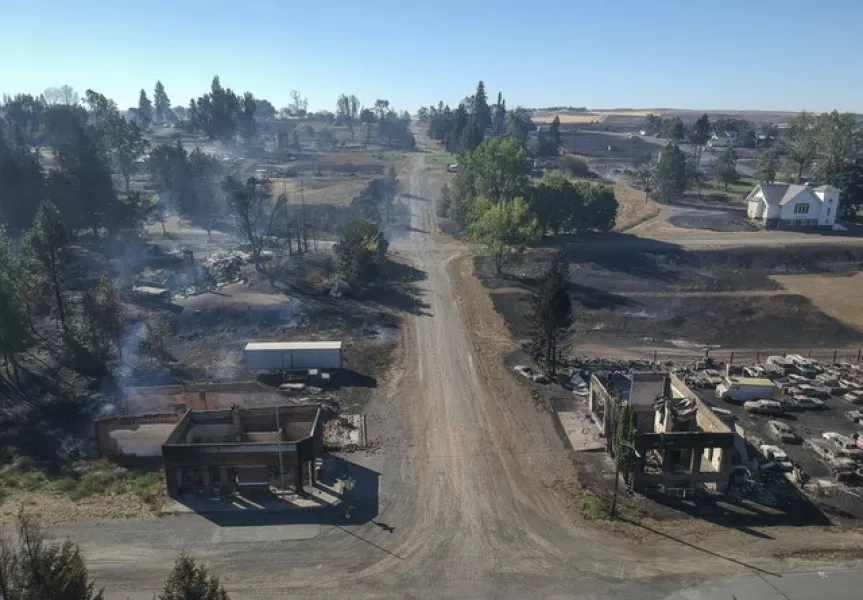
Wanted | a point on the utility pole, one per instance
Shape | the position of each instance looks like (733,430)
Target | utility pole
(303,215)
(281,464)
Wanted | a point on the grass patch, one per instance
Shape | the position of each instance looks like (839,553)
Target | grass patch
(741,187)
(588,504)
(441,159)
(87,480)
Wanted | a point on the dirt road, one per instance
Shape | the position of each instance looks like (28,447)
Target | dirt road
(455,502)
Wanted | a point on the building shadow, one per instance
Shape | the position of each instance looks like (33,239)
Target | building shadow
(348,378)
(357,504)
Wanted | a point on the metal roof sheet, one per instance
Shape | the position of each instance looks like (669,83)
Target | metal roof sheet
(288,346)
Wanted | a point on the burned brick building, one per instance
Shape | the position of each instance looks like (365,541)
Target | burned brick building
(223,451)
(681,444)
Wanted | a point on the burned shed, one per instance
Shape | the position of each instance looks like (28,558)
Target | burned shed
(222,451)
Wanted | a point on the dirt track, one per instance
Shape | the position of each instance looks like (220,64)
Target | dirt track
(458,499)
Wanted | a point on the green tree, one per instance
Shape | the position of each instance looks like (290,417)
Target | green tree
(360,252)
(215,113)
(102,319)
(161,103)
(519,125)
(22,185)
(34,568)
(670,176)
(246,117)
(674,129)
(382,107)
(498,116)
(47,246)
(768,165)
(190,581)
(551,313)
(839,137)
(626,429)
(145,110)
(84,182)
(15,324)
(348,109)
(847,176)
(802,143)
(554,133)
(481,110)
(600,207)
(698,136)
(654,124)
(499,168)
(255,214)
(126,145)
(503,228)
(725,169)
(367,117)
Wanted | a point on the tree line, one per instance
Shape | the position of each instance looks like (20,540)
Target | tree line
(825,149)
(33,567)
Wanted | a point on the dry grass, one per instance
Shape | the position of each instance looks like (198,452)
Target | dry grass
(632,209)
(837,296)
(334,190)
(576,118)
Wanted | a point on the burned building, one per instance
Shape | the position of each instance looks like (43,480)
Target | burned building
(224,451)
(681,445)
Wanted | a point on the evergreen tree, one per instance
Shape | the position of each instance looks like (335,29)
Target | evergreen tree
(670,176)
(626,429)
(190,581)
(481,111)
(46,243)
(552,313)
(145,110)
(768,164)
(161,103)
(725,169)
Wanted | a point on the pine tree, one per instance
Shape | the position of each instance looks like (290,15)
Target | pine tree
(145,110)
(47,243)
(626,429)
(189,581)
(552,312)
(670,176)
(161,103)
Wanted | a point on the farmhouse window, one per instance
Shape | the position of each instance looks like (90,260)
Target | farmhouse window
(801,209)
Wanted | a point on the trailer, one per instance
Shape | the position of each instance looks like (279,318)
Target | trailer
(289,356)
(741,389)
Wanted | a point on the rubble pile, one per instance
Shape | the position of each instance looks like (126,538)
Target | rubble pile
(224,267)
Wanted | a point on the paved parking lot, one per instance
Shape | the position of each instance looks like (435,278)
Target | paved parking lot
(847,498)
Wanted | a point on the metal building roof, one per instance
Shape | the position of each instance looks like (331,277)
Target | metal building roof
(288,346)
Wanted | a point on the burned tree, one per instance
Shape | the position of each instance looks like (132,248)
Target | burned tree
(552,313)
(254,213)
(47,243)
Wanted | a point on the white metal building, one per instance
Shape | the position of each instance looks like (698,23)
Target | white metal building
(283,356)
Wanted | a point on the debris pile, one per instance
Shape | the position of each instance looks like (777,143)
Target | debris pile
(224,267)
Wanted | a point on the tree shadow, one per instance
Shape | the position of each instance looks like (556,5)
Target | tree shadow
(401,290)
(621,252)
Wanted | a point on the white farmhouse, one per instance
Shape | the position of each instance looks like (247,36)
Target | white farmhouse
(787,206)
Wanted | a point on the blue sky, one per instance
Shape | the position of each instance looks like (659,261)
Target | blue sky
(710,54)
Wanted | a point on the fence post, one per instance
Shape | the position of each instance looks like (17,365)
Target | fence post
(809,354)
(731,359)
(858,355)
(758,356)
(654,357)
(834,356)
(707,353)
